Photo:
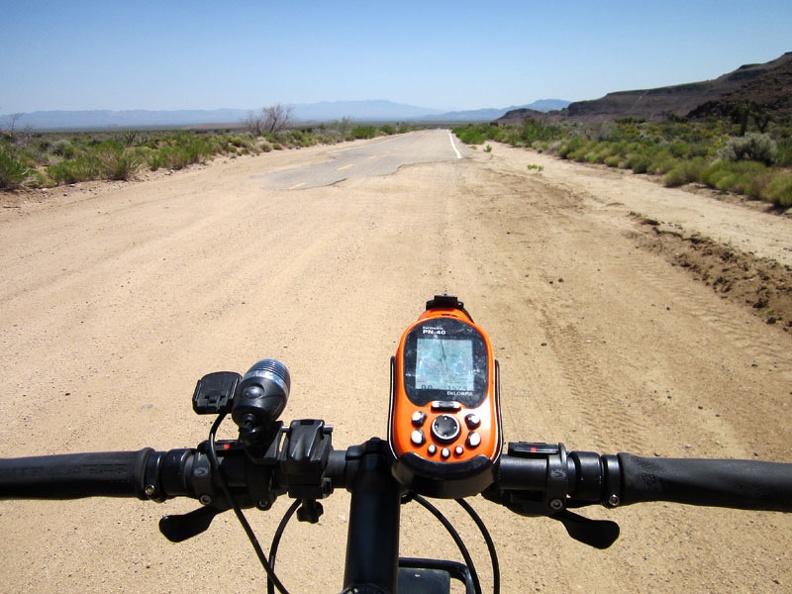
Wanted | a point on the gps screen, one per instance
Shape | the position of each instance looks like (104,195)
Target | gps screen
(444,364)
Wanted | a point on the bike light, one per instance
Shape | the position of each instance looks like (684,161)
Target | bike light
(261,396)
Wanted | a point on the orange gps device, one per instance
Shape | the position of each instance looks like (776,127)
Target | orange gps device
(444,422)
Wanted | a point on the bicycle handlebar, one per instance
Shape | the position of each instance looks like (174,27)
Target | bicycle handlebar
(545,477)
(530,479)
(738,484)
(74,476)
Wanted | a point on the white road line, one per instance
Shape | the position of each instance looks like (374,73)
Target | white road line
(453,146)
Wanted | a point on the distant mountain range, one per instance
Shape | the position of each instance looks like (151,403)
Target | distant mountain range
(766,88)
(380,111)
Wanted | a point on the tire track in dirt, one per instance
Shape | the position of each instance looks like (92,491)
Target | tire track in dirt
(543,221)
(764,353)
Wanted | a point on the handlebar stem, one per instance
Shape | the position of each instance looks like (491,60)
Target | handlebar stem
(373,535)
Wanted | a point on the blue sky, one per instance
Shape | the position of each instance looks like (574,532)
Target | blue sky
(197,54)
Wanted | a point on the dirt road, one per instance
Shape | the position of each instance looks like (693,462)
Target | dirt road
(114,301)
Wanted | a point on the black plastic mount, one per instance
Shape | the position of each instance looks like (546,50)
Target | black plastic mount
(214,392)
(444,480)
(303,458)
(447,301)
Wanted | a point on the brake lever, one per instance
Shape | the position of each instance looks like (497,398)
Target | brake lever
(178,528)
(599,534)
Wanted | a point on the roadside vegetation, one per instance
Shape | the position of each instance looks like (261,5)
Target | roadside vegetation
(723,155)
(33,159)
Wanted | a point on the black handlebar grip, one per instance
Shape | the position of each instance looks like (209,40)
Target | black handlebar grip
(739,484)
(73,476)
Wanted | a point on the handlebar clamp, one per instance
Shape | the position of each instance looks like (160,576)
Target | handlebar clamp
(306,447)
(556,481)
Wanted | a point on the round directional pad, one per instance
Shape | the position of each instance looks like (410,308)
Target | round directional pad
(445,428)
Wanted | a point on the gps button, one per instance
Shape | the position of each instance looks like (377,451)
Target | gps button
(445,428)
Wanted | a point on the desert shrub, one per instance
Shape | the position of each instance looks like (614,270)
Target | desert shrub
(639,163)
(594,153)
(533,131)
(750,178)
(63,148)
(470,135)
(512,136)
(496,133)
(679,149)
(305,138)
(129,138)
(540,146)
(118,164)
(759,185)
(676,177)
(182,150)
(684,172)
(727,181)
(784,157)
(728,176)
(478,133)
(172,157)
(751,147)
(14,173)
(779,190)
(363,131)
(574,149)
(42,145)
(325,139)
(238,141)
(602,131)
(84,167)
(661,162)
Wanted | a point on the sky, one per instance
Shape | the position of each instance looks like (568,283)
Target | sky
(448,55)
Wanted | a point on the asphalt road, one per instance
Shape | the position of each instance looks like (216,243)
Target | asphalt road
(382,157)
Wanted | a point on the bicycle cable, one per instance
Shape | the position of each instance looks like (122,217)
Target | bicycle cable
(238,510)
(455,536)
(493,552)
(276,538)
